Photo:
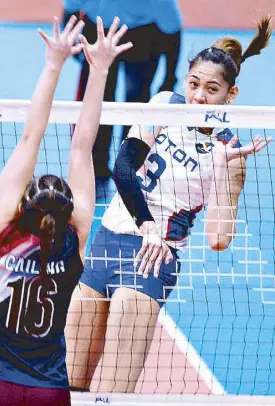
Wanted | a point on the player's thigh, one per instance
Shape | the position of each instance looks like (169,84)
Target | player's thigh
(131,324)
(86,320)
(85,334)
(132,314)
(87,309)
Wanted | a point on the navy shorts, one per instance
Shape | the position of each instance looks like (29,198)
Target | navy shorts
(13,394)
(110,265)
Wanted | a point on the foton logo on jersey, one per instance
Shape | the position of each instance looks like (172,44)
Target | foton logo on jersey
(214,115)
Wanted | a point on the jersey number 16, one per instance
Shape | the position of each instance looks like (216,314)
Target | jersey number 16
(28,307)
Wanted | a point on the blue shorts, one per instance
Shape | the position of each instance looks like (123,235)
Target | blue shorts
(110,265)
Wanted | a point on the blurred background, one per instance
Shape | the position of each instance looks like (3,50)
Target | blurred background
(165,34)
(21,49)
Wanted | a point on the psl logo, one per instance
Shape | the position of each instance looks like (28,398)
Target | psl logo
(103,399)
(221,117)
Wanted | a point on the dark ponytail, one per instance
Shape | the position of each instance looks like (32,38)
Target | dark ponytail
(47,229)
(261,39)
(227,51)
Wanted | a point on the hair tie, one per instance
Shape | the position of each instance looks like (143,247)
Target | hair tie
(51,189)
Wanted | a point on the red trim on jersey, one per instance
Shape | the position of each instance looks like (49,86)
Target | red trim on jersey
(169,225)
(11,237)
(223,141)
(196,209)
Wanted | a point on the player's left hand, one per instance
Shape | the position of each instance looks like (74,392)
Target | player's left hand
(101,55)
(61,45)
(229,152)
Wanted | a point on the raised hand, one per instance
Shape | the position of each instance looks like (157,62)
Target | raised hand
(101,54)
(229,152)
(62,44)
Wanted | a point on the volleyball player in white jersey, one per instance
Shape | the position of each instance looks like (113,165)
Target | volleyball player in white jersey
(164,177)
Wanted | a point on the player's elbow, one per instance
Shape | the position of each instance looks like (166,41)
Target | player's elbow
(218,242)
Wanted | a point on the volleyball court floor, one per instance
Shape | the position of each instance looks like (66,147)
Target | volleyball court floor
(221,314)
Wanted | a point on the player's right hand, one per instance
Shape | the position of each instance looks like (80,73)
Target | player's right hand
(101,54)
(62,44)
(154,251)
(229,151)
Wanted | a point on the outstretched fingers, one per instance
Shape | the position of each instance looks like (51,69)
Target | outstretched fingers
(119,34)
(43,35)
(75,31)
(56,31)
(85,46)
(124,47)
(113,28)
(69,26)
(102,53)
(261,143)
(69,34)
(100,29)
(257,144)
(114,35)
(83,40)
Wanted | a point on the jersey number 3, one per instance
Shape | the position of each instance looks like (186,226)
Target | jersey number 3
(153,176)
(35,312)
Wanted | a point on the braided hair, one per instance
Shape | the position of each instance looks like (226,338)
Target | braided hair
(47,206)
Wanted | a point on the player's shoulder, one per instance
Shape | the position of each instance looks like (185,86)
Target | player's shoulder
(167,97)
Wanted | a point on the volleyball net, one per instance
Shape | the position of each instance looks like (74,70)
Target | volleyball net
(215,336)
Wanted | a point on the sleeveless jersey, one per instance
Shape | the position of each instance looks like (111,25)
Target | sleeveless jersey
(32,342)
(175,180)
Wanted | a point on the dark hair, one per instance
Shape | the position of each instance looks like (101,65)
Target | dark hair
(47,206)
(227,52)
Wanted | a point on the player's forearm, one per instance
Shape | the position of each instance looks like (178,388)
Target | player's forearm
(41,103)
(221,211)
(88,122)
(131,157)
(19,168)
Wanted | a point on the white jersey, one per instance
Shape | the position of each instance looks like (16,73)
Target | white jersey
(175,180)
